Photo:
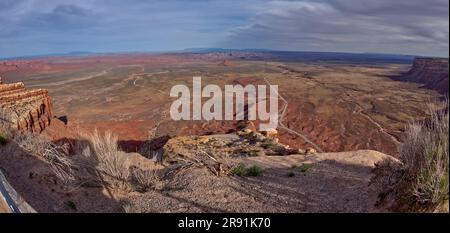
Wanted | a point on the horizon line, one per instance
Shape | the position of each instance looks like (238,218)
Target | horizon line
(192,50)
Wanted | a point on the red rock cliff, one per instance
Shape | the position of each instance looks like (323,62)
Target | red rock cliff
(432,72)
(25,109)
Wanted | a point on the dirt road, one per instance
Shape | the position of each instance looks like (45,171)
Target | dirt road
(283,126)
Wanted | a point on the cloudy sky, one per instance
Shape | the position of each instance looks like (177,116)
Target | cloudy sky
(417,27)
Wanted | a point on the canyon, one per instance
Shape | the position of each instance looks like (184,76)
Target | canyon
(337,102)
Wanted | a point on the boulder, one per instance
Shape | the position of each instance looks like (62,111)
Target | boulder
(311,151)
(270,133)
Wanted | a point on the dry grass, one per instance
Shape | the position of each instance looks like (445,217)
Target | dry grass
(97,161)
(100,161)
(421,183)
(129,207)
(146,149)
(144,180)
(425,154)
(55,154)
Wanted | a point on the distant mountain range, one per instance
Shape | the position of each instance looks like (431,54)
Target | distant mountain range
(289,55)
(212,50)
(70,54)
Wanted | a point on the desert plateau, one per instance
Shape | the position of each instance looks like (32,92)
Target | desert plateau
(217,114)
(336,116)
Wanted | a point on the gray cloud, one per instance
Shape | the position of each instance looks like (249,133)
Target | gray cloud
(402,26)
(385,26)
(71,10)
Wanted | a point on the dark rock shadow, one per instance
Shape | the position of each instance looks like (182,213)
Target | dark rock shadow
(64,119)
(137,145)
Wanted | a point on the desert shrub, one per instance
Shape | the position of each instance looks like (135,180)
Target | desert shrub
(128,207)
(242,170)
(55,154)
(239,169)
(290,174)
(3,139)
(421,182)
(305,167)
(268,144)
(71,205)
(147,149)
(425,154)
(144,180)
(99,161)
(254,171)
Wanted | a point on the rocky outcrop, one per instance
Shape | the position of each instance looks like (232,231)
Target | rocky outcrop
(25,109)
(216,167)
(245,143)
(432,72)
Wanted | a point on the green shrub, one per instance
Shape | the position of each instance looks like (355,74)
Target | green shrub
(3,140)
(71,205)
(305,167)
(239,169)
(290,174)
(420,183)
(242,170)
(268,143)
(254,171)
(425,154)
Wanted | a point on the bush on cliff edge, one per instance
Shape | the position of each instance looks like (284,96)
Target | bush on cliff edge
(421,182)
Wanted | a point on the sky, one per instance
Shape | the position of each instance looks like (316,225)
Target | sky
(415,27)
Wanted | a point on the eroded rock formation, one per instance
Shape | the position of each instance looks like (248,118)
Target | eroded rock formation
(432,72)
(25,109)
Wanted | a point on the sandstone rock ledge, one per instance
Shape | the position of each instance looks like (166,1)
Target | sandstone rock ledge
(25,109)
(304,182)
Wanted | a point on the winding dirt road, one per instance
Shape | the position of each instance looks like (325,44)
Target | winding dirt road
(283,126)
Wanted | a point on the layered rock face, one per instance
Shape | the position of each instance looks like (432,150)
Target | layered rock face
(25,109)
(432,72)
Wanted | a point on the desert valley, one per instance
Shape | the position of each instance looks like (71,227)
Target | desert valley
(339,115)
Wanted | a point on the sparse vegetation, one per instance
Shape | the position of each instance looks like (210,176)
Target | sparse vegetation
(100,161)
(147,149)
(128,207)
(305,167)
(97,160)
(421,182)
(239,169)
(254,171)
(144,180)
(242,170)
(3,140)
(72,205)
(290,174)
(268,144)
(55,154)
(255,153)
